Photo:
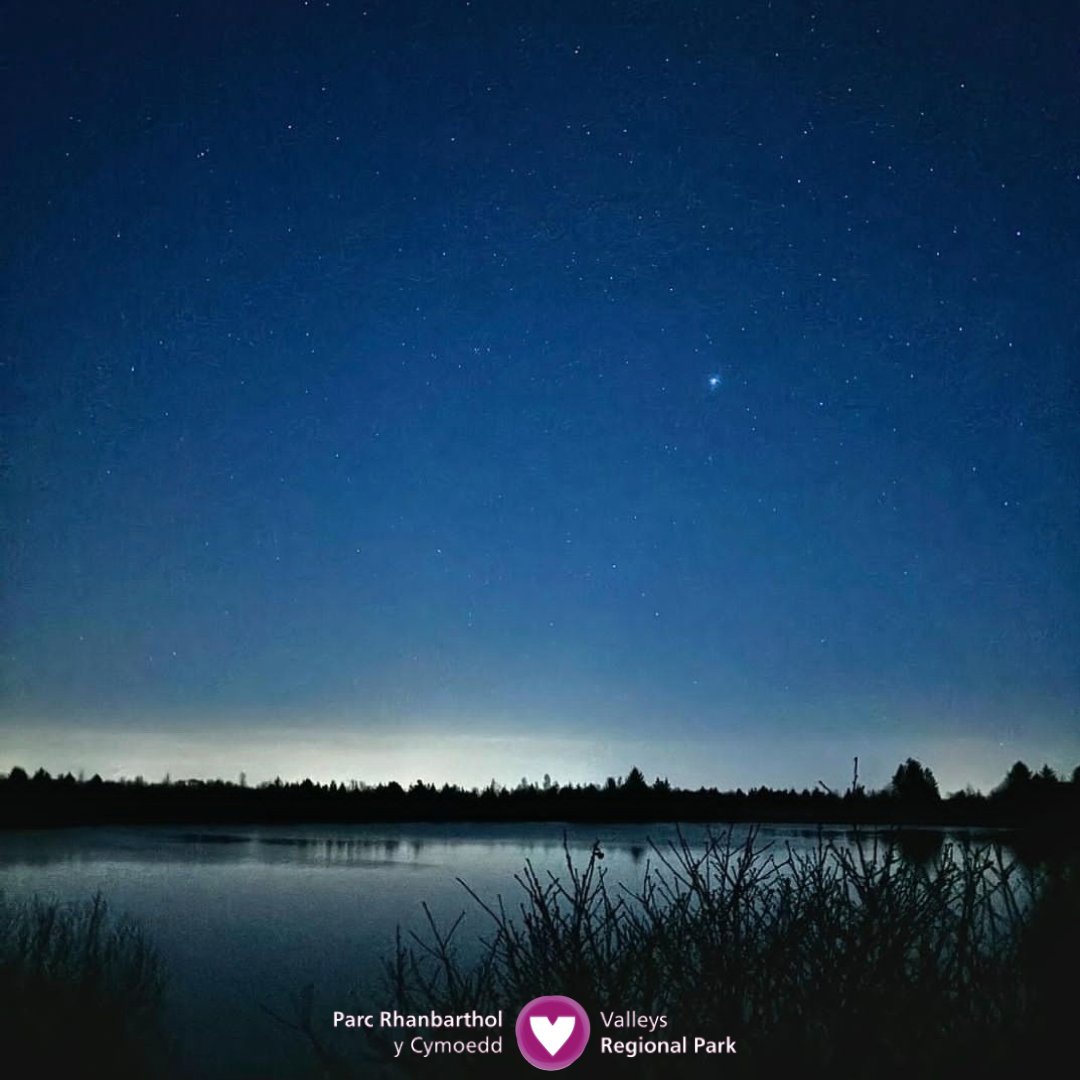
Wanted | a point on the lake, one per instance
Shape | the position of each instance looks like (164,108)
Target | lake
(246,916)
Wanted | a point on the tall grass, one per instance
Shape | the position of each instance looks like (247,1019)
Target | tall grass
(80,992)
(841,961)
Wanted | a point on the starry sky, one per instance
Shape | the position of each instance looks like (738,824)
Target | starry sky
(476,389)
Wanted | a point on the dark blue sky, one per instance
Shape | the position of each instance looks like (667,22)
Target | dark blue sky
(469,389)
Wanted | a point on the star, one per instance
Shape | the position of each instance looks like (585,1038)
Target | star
(714,381)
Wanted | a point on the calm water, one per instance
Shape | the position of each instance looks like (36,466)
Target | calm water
(245,917)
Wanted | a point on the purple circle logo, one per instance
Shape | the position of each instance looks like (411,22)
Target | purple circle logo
(552,1032)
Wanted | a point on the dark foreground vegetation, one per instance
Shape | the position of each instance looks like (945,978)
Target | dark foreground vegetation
(1024,798)
(80,993)
(851,961)
(840,963)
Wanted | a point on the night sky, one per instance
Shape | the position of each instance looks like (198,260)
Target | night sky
(468,390)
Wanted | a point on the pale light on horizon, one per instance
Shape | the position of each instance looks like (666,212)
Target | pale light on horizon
(473,759)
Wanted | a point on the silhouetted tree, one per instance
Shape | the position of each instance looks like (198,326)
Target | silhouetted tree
(914,782)
(1041,800)
(635,784)
(1017,782)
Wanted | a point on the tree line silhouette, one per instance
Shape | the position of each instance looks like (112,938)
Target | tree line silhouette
(1024,797)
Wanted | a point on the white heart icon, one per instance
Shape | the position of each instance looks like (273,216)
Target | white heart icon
(552,1036)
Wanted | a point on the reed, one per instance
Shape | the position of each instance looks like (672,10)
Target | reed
(79,990)
(844,961)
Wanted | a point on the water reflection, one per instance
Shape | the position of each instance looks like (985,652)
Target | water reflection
(460,846)
(245,916)
(919,846)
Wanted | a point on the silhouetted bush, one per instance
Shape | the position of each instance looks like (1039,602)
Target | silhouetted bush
(841,962)
(80,993)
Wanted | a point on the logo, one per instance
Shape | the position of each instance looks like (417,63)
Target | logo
(552,1032)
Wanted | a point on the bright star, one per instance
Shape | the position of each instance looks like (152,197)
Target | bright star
(715,381)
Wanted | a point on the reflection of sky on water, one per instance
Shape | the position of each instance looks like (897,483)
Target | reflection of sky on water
(246,916)
(401,845)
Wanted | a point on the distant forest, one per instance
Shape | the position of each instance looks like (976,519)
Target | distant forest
(1041,799)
